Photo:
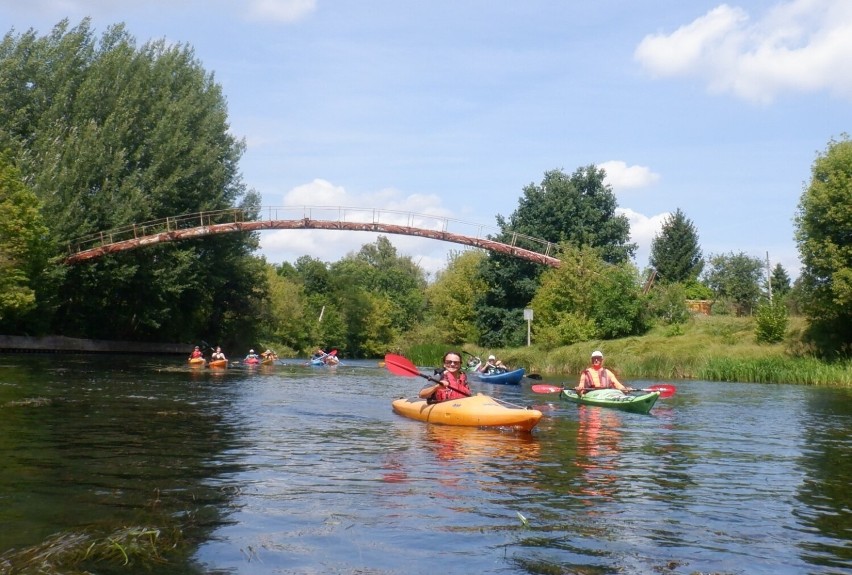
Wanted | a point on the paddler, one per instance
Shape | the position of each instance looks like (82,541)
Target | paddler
(596,376)
(453,382)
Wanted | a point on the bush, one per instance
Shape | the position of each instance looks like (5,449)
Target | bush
(668,303)
(771,321)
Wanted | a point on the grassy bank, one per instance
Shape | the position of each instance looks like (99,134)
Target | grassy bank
(713,348)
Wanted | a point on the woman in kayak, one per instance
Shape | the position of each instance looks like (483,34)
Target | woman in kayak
(453,384)
(598,377)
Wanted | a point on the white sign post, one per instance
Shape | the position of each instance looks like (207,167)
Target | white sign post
(528,315)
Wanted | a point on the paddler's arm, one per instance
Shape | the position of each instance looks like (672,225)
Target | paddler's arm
(618,385)
(428,392)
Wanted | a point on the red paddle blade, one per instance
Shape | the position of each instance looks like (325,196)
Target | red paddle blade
(544,388)
(665,390)
(400,365)
(333,352)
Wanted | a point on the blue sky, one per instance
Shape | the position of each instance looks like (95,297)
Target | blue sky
(451,108)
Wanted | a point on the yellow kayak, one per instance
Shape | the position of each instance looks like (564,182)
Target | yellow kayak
(475,411)
(196,362)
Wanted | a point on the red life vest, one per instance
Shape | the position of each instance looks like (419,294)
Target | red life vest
(448,393)
(603,375)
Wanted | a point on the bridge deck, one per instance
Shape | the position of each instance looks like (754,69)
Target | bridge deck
(306,217)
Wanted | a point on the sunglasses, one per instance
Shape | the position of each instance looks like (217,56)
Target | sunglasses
(451,362)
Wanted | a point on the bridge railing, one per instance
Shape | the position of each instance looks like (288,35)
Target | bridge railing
(153,227)
(376,216)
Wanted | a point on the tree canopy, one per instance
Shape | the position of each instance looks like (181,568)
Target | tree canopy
(736,278)
(24,248)
(675,253)
(824,237)
(577,209)
(107,134)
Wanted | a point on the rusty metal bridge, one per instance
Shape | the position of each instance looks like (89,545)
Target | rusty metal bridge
(313,218)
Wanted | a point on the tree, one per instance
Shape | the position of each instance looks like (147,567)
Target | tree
(587,298)
(736,277)
(779,281)
(108,135)
(824,237)
(675,252)
(24,247)
(578,209)
(379,294)
(451,298)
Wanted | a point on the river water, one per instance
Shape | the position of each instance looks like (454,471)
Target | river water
(295,469)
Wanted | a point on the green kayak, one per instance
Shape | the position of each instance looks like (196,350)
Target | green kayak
(614,398)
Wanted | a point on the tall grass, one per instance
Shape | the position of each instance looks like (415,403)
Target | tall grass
(714,348)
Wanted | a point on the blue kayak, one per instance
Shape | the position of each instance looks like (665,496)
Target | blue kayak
(513,377)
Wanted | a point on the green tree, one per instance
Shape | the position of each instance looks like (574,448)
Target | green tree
(24,247)
(109,135)
(587,298)
(675,252)
(779,281)
(578,209)
(380,295)
(735,277)
(824,237)
(451,298)
(286,319)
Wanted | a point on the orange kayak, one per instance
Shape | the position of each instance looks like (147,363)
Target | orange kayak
(218,363)
(196,362)
(475,411)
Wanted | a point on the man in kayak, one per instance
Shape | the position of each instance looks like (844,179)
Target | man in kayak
(453,383)
(493,365)
(597,376)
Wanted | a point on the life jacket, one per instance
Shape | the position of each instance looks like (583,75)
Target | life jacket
(603,379)
(448,393)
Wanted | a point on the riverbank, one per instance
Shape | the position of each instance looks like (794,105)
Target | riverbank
(62,344)
(712,348)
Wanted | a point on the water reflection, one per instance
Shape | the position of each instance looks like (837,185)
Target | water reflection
(101,449)
(293,470)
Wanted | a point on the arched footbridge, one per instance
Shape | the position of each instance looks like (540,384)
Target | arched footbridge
(308,218)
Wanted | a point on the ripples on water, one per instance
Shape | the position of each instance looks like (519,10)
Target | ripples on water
(306,470)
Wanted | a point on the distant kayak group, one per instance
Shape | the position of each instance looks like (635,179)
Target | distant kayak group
(219,361)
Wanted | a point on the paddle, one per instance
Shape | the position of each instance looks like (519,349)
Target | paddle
(400,365)
(665,390)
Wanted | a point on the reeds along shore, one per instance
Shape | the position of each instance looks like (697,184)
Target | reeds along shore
(711,348)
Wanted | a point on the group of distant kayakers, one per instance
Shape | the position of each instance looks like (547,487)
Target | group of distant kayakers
(197,355)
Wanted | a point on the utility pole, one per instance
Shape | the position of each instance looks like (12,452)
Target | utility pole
(768,277)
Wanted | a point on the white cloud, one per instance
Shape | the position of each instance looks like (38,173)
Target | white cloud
(643,229)
(281,10)
(623,177)
(798,46)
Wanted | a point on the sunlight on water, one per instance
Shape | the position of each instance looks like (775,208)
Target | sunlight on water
(295,469)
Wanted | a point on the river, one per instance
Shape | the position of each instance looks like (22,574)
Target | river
(294,469)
